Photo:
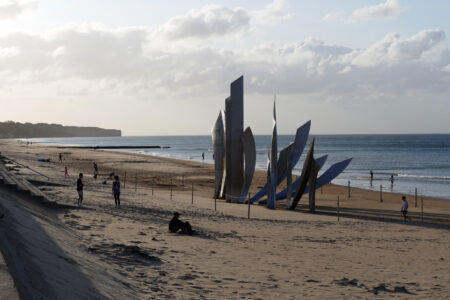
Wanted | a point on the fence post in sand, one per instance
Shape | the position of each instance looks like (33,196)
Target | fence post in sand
(349,188)
(125,180)
(421,210)
(192,196)
(381,193)
(170,188)
(248,206)
(135,183)
(415,195)
(338,209)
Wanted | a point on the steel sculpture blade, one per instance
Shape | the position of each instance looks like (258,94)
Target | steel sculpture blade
(282,195)
(273,162)
(301,137)
(307,166)
(312,185)
(283,162)
(331,173)
(234,151)
(218,139)
(248,142)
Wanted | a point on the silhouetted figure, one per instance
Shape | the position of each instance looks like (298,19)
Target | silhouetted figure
(371,177)
(404,209)
(176,225)
(203,155)
(60,157)
(95,170)
(66,172)
(392,180)
(116,191)
(80,186)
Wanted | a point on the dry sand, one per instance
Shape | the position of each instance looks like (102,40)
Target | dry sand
(98,251)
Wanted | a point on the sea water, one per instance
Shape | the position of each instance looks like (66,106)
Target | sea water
(419,161)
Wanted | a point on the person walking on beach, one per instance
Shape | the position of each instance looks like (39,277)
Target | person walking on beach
(80,186)
(60,157)
(95,170)
(404,210)
(116,191)
(66,172)
(203,155)
(392,180)
(371,177)
(176,225)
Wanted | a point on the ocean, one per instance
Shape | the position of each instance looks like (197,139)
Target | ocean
(419,161)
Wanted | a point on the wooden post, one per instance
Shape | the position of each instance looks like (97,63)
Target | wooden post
(135,183)
(349,189)
(381,193)
(338,209)
(421,211)
(192,196)
(125,180)
(415,196)
(248,206)
(170,188)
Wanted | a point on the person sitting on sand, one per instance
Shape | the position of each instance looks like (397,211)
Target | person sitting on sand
(404,209)
(80,186)
(116,190)
(176,225)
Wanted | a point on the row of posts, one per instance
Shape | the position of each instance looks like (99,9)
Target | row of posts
(249,202)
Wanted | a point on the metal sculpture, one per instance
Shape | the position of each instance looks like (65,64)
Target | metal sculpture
(283,194)
(248,142)
(218,139)
(272,182)
(301,137)
(234,124)
(304,176)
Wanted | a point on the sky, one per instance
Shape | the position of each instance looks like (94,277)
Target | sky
(165,67)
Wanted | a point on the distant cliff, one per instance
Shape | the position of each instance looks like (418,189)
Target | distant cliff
(12,129)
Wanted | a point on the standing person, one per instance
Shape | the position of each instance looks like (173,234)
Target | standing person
(116,190)
(66,172)
(80,186)
(404,210)
(371,177)
(95,170)
(392,180)
(60,157)
(203,155)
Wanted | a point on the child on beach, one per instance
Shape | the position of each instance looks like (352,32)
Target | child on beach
(116,190)
(80,186)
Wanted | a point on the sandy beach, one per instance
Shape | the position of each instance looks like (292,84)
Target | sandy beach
(57,250)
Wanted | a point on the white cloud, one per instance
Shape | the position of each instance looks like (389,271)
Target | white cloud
(208,21)
(10,9)
(390,8)
(273,13)
(333,16)
(126,61)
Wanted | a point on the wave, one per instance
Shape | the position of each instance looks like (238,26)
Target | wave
(424,176)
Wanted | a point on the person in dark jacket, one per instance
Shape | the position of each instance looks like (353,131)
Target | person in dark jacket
(177,225)
(116,190)
(80,186)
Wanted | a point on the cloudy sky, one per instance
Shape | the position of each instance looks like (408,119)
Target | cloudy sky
(164,67)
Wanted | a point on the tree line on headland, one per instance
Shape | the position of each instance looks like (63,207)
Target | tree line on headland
(10,129)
